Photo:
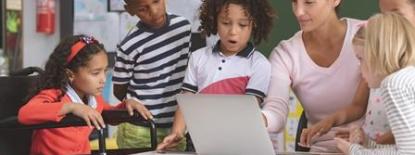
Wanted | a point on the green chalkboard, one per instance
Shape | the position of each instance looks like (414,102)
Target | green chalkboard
(286,24)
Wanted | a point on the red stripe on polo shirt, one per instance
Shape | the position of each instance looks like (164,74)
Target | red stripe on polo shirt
(227,86)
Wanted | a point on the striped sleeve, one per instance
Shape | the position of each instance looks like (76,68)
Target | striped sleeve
(356,149)
(123,67)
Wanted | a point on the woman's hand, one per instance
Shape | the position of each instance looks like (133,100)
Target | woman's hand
(132,105)
(318,129)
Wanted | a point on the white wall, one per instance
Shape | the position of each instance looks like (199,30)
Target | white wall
(36,46)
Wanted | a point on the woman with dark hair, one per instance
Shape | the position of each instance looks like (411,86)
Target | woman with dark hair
(319,65)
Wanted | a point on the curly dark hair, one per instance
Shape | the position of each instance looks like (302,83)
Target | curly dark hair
(55,76)
(259,11)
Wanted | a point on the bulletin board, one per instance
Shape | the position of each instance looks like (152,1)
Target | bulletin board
(13,34)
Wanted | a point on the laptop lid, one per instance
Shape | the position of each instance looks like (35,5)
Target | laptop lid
(225,124)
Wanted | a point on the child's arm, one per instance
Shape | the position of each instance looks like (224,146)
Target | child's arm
(356,149)
(189,87)
(44,108)
(177,131)
(90,115)
(41,108)
(350,113)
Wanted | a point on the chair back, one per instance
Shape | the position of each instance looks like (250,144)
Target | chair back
(13,92)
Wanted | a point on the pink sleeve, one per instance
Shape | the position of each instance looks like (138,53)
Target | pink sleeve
(276,103)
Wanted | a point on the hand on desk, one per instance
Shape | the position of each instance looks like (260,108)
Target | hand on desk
(169,142)
(316,130)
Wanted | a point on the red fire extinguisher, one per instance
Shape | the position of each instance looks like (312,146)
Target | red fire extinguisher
(45,16)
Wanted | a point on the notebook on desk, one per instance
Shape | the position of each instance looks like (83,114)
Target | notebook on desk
(225,124)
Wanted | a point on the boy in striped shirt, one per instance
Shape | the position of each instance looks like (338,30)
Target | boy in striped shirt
(150,65)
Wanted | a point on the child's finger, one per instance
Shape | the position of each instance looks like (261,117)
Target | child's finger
(130,110)
(101,120)
(95,123)
(88,122)
(172,146)
(148,113)
(143,114)
(162,146)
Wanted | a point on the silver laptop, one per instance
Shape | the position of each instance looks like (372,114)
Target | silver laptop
(225,124)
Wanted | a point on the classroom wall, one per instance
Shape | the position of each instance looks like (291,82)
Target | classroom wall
(286,24)
(36,46)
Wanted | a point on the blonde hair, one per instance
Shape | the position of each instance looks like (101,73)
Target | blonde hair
(389,43)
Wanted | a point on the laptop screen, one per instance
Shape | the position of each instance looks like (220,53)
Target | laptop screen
(225,124)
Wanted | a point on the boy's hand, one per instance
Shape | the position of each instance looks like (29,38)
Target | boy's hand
(132,105)
(169,142)
(90,115)
(318,129)
(386,138)
(343,145)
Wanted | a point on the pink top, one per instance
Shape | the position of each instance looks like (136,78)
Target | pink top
(322,91)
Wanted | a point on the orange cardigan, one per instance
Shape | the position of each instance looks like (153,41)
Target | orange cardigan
(70,140)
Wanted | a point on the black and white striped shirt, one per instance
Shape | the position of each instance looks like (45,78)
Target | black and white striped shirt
(152,62)
(398,92)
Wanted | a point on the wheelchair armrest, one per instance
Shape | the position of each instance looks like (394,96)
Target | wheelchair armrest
(109,116)
(121,116)
(12,123)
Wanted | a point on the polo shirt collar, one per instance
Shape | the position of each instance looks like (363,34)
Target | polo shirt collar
(246,52)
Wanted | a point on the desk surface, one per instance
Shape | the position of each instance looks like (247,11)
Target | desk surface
(278,153)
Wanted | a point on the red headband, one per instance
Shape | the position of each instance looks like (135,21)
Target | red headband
(79,45)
